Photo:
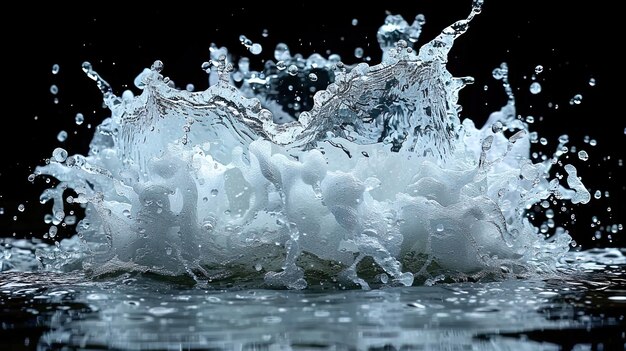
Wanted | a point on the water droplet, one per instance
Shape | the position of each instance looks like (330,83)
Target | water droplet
(86,67)
(535,88)
(59,154)
(543,141)
(157,66)
(256,49)
(52,232)
(593,142)
(79,118)
(281,53)
(592,82)
(265,33)
(477,5)
(582,155)
(312,77)
(55,68)
(530,119)
(62,136)
(31,177)
(355,21)
(496,127)
(573,243)
(538,69)
(292,70)
(497,73)
(440,227)
(205,65)
(190,87)
(214,192)
(281,65)
(168,250)
(576,100)
(384,278)
(126,213)
(564,139)
(358,52)
(21,207)
(54,89)
(258,267)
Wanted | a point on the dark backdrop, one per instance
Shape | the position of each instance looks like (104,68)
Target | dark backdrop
(574,42)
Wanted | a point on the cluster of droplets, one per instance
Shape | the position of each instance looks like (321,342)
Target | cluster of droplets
(254,48)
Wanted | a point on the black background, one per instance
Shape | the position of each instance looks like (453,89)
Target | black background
(574,42)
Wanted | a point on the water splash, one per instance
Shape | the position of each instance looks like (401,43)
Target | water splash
(372,180)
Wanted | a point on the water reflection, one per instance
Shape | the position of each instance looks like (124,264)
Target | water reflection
(54,311)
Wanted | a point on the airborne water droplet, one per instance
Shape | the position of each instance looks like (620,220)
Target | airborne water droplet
(576,100)
(62,136)
(497,73)
(538,69)
(54,89)
(55,68)
(79,118)
(597,194)
(582,155)
(21,207)
(256,49)
(535,88)
(592,82)
(312,77)
(358,52)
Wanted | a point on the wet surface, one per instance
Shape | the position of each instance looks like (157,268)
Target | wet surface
(583,309)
